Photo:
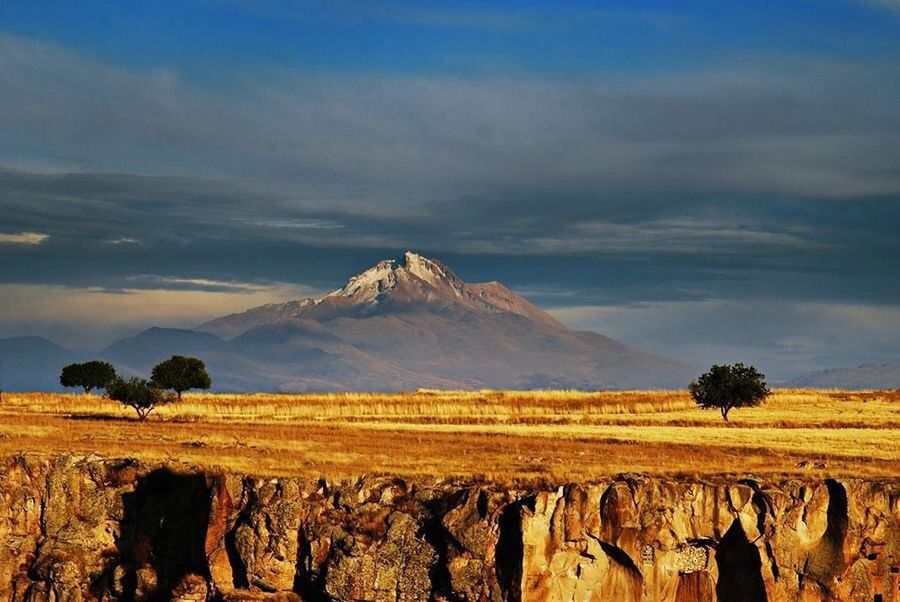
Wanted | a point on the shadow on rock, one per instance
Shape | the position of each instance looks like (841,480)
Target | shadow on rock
(163,535)
(740,568)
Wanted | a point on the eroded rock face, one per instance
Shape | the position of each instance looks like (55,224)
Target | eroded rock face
(76,529)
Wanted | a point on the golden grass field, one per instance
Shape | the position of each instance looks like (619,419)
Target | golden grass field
(499,436)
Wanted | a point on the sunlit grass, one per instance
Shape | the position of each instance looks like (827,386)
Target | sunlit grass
(495,435)
(448,404)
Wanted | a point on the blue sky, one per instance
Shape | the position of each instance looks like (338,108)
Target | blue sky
(208,40)
(716,181)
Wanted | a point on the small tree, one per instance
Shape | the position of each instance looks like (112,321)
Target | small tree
(181,374)
(89,375)
(140,394)
(729,386)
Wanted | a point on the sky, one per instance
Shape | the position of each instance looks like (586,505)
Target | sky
(713,181)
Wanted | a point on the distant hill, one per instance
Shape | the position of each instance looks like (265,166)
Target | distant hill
(867,376)
(138,354)
(32,364)
(145,350)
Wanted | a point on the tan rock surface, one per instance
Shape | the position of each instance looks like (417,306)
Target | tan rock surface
(76,529)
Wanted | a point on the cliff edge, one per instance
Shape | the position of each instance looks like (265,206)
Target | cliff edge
(86,528)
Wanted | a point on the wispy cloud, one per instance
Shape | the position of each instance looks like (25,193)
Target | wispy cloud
(23,238)
(171,283)
(90,306)
(296,224)
(683,235)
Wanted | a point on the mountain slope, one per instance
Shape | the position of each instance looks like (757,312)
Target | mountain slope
(868,376)
(413,321)
(308,356)
(32,364)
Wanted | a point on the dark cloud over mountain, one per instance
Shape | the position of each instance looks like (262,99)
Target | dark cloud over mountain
(744,189)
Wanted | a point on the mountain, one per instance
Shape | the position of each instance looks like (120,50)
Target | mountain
(155,344)
(411,283)
(412,322)
(402,324)
(867,376)
(32,364)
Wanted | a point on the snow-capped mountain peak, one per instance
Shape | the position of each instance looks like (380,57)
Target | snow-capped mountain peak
(431,271)
(376,279)
(410,282)
(385,276)
(411,322)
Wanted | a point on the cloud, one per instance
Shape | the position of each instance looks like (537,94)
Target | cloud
(298,224)
(776,125)
(155,282)
(23,238)
(683,235)
(109,309)
(613,249)
(770,178)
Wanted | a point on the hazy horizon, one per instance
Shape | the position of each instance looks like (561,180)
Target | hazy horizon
(709,183)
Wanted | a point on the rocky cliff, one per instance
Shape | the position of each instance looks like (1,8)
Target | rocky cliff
(87,528)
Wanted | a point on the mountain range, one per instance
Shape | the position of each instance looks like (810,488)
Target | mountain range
(402,324)
(866,376)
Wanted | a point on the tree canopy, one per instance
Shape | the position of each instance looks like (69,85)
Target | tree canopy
(729,386)
(89,375)
(180,373)
(138,393)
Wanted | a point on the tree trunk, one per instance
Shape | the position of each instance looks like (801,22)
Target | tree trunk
(179,395)
(725,413)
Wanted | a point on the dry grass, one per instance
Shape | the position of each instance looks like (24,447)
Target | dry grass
(501,436)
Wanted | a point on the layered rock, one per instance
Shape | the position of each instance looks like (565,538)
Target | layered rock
(92,529)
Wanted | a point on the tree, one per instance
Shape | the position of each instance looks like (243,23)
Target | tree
(181,374)
(140,394)
(89,375)
(729,386)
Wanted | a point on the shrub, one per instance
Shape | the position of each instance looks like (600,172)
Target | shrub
(139,394)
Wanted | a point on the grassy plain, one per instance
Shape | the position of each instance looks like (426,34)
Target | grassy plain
(509,437)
